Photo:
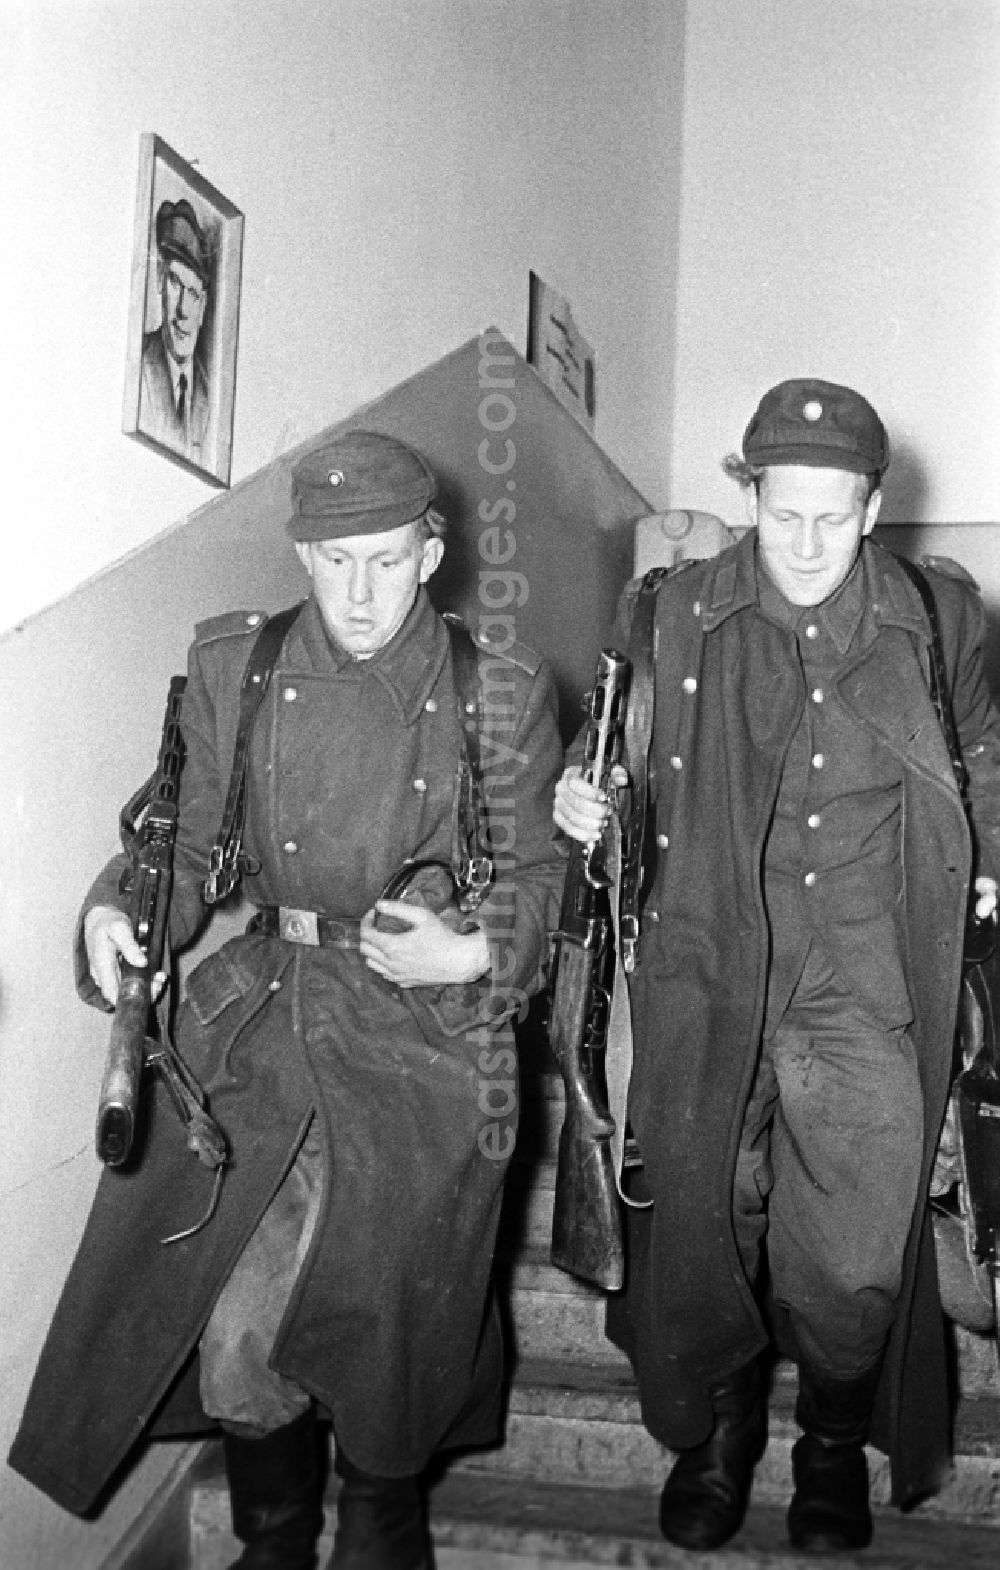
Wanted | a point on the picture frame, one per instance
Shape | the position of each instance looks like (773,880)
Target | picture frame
(184,309)
(559,352)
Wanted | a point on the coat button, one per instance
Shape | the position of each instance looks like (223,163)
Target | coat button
(690,684)
(291,847)
(254,620)
(676,762)
(817,695)
(274,986)
(663,840)
(431,705)
(291,693)
(420,786)
(818,760)
(809,879)
(813,820)
(812,631)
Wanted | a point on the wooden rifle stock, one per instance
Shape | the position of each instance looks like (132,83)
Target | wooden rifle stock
(586,1222)
(151,846)
(123,1067)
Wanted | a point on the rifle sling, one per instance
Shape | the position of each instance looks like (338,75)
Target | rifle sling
(938,676)
(638,737)
(472,855)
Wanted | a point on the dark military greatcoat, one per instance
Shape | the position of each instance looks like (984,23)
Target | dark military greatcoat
(391,1325)
(726,709)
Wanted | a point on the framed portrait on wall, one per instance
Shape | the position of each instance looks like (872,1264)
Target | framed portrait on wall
(184,309)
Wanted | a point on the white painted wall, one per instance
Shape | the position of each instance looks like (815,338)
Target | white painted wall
(840,217)
(401,167)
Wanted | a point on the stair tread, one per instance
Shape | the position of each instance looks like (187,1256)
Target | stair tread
(567,1522)
(497,1520)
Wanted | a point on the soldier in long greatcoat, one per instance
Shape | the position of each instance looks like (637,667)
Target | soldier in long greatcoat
(795,1000)
(365,1078)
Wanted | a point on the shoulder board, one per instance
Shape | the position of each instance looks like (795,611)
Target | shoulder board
(656,575)
(231,624)
(653,578)
(518,654)
(949,568)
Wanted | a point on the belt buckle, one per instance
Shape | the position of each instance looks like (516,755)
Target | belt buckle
(298,926)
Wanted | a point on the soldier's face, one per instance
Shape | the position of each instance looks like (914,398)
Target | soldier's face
(810,524)
(365,584)
(182,296)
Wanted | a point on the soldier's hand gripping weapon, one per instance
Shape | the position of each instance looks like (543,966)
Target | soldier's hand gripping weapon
(148,824)
(586,1223)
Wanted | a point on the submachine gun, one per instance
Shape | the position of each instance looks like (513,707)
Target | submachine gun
(148,825)
(586,1224)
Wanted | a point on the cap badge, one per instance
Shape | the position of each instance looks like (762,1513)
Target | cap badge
(813,410)
(335,477)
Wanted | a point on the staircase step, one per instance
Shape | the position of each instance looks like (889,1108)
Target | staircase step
(554,1314)
(577,1479)
(497,1522)
(526,1216)
(577,1423)
(541,1111)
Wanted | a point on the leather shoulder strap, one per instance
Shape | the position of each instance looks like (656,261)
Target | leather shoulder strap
(638,737)
(227,860)
(472,855)
(938,683)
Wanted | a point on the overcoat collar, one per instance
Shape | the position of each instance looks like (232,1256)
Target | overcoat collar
(731,586)
(875,685)
(408,667)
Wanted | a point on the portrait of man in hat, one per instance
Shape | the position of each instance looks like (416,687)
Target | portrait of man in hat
(174,392)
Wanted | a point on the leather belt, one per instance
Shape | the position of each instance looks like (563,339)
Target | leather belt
(306,926)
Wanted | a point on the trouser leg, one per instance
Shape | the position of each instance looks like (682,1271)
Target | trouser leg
(237,1386)
(846,1153)
(269,1431)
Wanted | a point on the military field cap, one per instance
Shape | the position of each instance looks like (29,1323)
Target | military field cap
(178,233)
(362,483)
(819,424)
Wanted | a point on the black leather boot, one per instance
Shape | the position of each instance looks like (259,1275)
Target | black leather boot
(380,1522)
(275,1496)
(705,1497)
(830,1512)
